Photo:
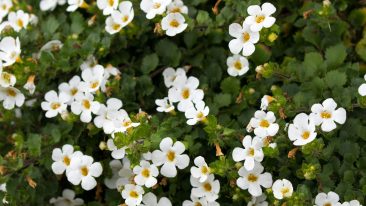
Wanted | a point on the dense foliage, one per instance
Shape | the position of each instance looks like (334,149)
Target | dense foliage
(316,50)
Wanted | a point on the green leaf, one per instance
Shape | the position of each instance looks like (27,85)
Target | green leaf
(230,85)
(335,78)
(361,48)
(222,100)
(149,63)
(34,144)
(169,52)
(335,55)
(50,25)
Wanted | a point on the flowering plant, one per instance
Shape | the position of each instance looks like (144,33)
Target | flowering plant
(172,102)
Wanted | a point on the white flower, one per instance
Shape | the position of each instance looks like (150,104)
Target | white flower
(326,114)
(254,179)
(123,122)
(75,4)
(18,20)
(132,194)
(9,50)
(150,199)
(92,78)
(30,86)
(362,88)
(72,89)
(33,19)
(154,7)
(7,79)
(185,92)
(117,153)
(209,189)
(264,124)
(302,131)
(282,189)
(197,113)
(201,171)
(170,156)
(89,63)
(11,97)
(53,45)
(237,65)
(3,187)
(258,201)
(146,174)
(115,166)
(5,6)
(177,6)
(170,75)
(50,5)
(120,18)
(195,201)
(62,158)
(107,115)
(173,24)
(108,6)
(265,101)
(85,106)
(109,71)
(330,199)
(164,105)
(260,17)
(67,199)
(352,203)
(54,104)
(125,174)
(244,39)
(82,169)
(251,153)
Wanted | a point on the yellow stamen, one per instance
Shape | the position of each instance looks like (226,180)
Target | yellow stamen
(325,115)
(171,156)
(116,26)
(285,190)
(185,93)
(84,171)
(207,187)
(156,5)
(237,65)
(174,23)
(86,104)
(20,23)
(55,105)
(251,152)
(145,173)
(66,160)
(74,91)
(94,84)
(246,36)
(111,2)
(305,135)
(259,19)
(205,170)
(134,194)
(264,123)
(252,178)
(11,92)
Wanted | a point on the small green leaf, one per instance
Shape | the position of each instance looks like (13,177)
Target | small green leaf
(149,63)
(335,55)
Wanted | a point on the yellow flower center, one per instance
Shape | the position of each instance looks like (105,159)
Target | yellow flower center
(115,27)
(305,135)
(264,123)
(251,152)
(126,123)
(327,204)
(4,7)
(252,178)
(205,169)
(259,19)
(111,2)
(170,156)
(86,104)
(6,76)
(174,23)
(237,65)
(11,92)
(185,93)
(84,171)
(246,36)
(20,23)
(66,160)
(55,105)
(285,190)
(94,84)
(156,5)
(134,194)
(207,187)
(326,115)
(197,204)
(74,91)
(125,18)
(200,115)
(175,10)
(145,173)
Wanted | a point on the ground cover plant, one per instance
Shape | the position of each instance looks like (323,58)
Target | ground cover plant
(193,103)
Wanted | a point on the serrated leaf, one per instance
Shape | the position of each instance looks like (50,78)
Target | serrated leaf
(149,63)
(335,55)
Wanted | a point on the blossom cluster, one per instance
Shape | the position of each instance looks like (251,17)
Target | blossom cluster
(79,168)
(173,21)
(246,35)
(184,91)
(79,93)
(10,50)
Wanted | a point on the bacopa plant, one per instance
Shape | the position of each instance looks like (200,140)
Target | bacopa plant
(192,103)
